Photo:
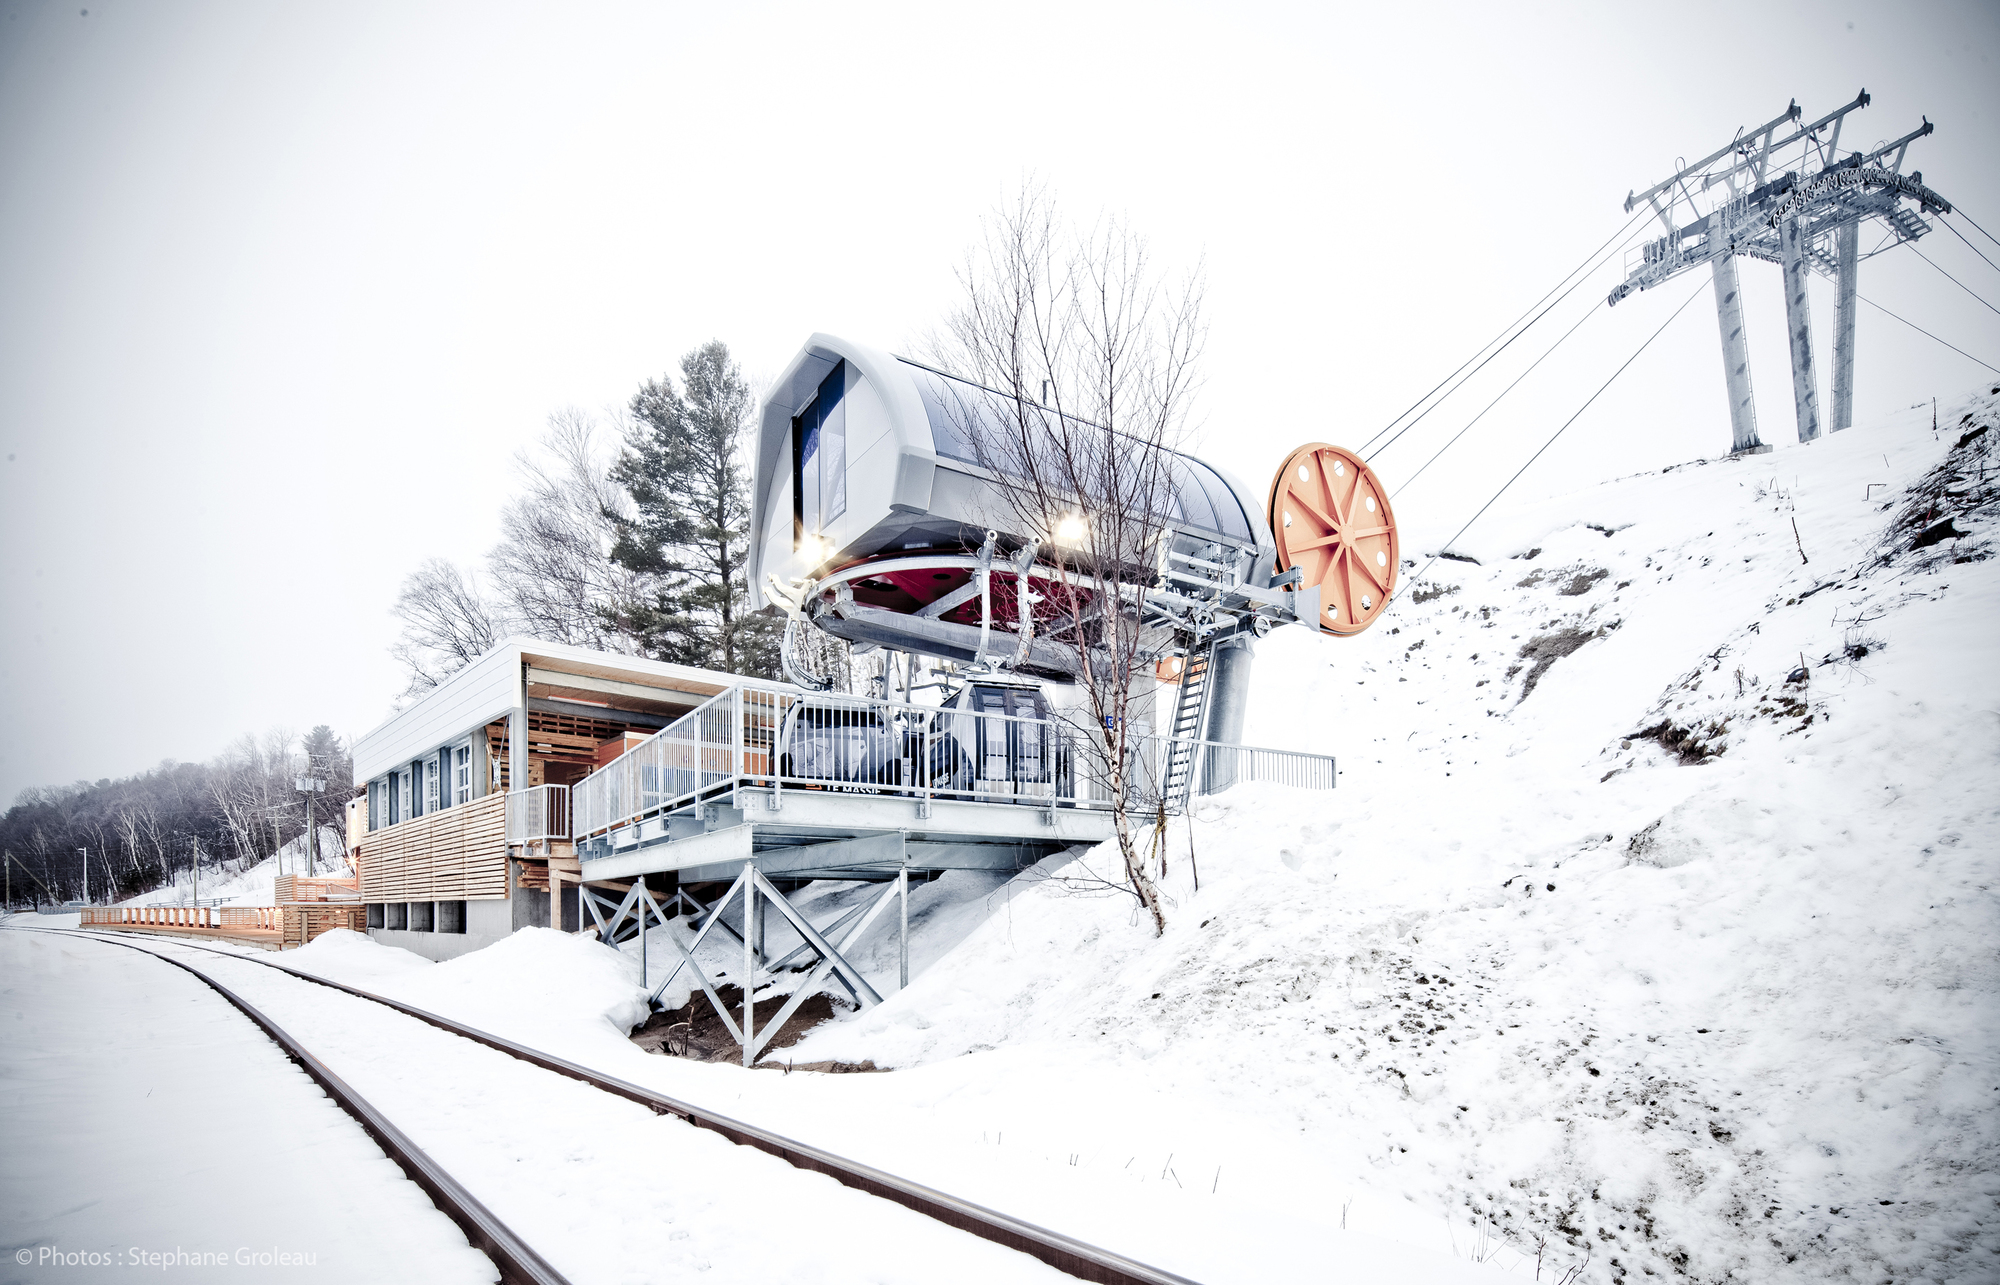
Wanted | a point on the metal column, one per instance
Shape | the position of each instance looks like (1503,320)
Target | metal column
(1228,702)
(749,881)
(1798,327)
(1847,246)
(903,895)
(1736,359)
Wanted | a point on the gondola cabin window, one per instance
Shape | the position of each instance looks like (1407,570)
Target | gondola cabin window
(819,459)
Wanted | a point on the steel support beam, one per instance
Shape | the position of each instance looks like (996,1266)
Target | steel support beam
(1847,246)
(1798,326)
(1735,358)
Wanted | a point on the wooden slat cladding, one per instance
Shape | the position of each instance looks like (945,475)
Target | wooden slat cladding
(459,854)
(303,922)
(303,888)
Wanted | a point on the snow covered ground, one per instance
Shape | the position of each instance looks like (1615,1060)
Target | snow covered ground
(255,886)
(147,1117)
(1622,945)
(1732,1018)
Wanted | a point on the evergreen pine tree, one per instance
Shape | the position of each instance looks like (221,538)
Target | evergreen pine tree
(690,532)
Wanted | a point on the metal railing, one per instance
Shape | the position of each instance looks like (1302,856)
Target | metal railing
(538,814)
(781,738)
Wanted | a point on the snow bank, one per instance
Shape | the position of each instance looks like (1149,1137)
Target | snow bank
(536,986)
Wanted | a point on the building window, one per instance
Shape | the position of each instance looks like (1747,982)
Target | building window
(461,773)
(433,786)
(375,918)
(396,915)
(420,916)
(451,916)
(405,796)
(819,460)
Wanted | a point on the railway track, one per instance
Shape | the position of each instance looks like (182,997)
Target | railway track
(518,1263)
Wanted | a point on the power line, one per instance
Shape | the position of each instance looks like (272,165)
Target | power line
(1496,401)
(1975,249)
(1948,277)
(1927,334)
(1585,267)
(1552,437)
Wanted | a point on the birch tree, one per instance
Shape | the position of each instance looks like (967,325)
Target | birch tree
(1094,353)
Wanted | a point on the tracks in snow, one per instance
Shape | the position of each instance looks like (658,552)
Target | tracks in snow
(585,1130)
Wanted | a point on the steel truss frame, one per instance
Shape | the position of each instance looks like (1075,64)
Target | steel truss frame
(638,911)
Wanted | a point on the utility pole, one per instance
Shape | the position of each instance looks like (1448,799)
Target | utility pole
(312,783)
(195,842)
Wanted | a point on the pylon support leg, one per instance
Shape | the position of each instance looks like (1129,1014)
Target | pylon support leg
(1735,358)
(1798,327)
(1847,247)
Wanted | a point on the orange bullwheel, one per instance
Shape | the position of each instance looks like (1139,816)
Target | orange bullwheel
(1330,514)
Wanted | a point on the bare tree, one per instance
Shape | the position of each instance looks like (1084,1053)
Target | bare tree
(447,624)
(553,565)
(1093,355)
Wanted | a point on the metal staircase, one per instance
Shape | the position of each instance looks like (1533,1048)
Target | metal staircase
(1190,709)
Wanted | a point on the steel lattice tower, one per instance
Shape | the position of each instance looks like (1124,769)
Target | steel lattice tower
(1808,218)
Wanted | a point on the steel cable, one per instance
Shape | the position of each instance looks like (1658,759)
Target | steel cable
(1948,277)
(1928,335)
(1496,401)
(1589,265)
(1552,439)
(1960,212)
(1975,249)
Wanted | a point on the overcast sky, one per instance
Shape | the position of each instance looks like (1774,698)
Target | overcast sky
(283,287)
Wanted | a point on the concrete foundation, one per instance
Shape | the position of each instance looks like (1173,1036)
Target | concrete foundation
(485,922)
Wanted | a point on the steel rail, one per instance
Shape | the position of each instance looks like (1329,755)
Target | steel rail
(1064,1253)
(518,1264)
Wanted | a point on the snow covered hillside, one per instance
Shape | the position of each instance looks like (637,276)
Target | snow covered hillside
(254,886)
(1653,918)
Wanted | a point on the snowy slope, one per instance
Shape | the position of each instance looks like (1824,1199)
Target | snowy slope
(1616,947)
(256,886)
(1733,1019)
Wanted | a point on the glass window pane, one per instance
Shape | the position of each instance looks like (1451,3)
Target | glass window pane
(833,445)
(948,436)
(808,480)
(1195,507)
(1228,513)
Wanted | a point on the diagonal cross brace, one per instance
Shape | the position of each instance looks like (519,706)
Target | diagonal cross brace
(687,951)
(829,961)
